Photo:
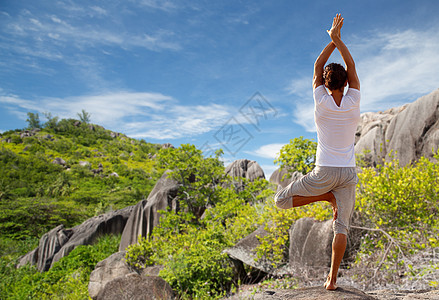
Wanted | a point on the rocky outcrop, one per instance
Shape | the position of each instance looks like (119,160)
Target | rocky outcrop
(28,133)
(407,132)
(59,242)
(319,293)
(114,267)
(244,252)
(167,145)
(308,293)
(310,250)
(245,168)
(106,270)
(310,243)
(59,161)
(135,287)
(145,215)
(50,243)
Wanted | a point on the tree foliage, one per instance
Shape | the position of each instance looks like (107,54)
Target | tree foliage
(298,155)
(198,176)
(33,120)
(84,116)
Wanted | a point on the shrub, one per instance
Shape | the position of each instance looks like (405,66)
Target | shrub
(399,205)
(67,279)
(299,155)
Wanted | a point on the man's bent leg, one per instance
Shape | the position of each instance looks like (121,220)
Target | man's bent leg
(296,201)
(329,197)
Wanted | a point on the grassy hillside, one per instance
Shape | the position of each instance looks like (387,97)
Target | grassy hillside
(68,172)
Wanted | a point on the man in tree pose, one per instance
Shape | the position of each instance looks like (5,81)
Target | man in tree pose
(336,115)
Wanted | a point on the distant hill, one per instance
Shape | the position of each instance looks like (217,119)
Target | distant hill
(68,171)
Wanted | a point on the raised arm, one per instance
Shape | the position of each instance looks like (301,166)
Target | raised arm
(320,64)
(334,33)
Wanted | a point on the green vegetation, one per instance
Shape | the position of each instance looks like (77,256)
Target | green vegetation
(400,206)
(397,208)
(299,155)
(189,242)
(99,171)
(67,279)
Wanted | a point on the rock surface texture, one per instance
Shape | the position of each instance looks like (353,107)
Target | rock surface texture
(245,168)
(310,243)
(135,287)
(411,130)
(145,215)
(114,267)
(245,251)
(105,271)
(59,242)
(319,293)
(309,293)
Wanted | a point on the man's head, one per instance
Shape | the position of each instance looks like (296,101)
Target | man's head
(335,76)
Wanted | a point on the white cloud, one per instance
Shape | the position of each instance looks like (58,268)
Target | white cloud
(99,10)
(164,5)
(300,86)
(404,68)
(45,37)
(179,121)
(139,115)
(267,151)
(394,68)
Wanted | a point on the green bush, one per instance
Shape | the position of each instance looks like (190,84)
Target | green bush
(67,279)
(299,155)
(400,206)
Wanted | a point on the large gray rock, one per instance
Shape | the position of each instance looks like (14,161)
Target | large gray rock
(310,243)
(411,131)
(106,270)
(135,287)
(419,294)
(59,242)
(311,246)
(244,252)
(145,215)
(370,135)
(50,243)
(245,168)
(308,293)
(414,131)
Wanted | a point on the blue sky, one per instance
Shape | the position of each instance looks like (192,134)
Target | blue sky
(229,74)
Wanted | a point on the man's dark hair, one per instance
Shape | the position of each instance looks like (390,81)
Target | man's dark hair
(334,76)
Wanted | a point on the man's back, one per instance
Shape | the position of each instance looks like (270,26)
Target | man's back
(336,126)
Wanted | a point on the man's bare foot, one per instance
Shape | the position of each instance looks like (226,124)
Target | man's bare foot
(330,285)
(333,202)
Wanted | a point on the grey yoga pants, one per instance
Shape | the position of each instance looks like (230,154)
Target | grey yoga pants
(341,181)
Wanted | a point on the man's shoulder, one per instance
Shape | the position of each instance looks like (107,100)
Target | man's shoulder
(353,92)
(319,92)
